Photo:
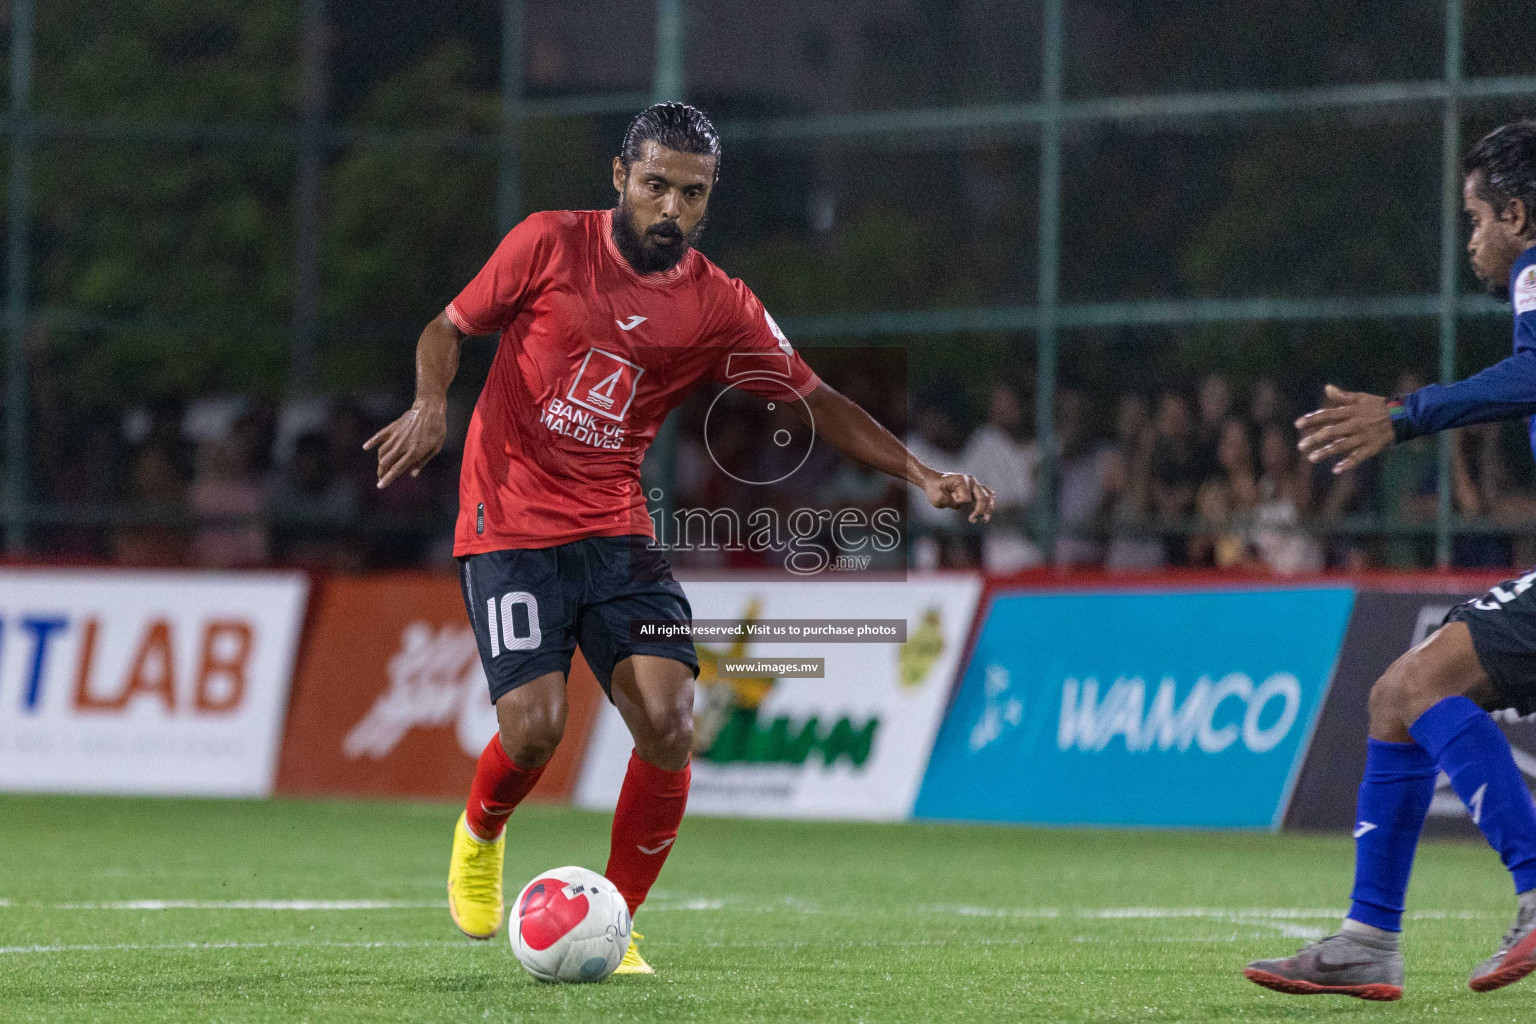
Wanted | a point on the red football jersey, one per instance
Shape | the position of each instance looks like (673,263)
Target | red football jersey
(592,358)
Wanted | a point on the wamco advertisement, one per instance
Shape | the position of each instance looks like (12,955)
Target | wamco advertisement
(1170,709)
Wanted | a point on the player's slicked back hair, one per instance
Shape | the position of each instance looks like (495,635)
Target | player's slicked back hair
(1506,158)
(675,126)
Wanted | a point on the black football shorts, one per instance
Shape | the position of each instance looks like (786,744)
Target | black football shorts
(531,607)
(1503,627)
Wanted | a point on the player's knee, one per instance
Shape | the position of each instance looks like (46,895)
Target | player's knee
(1387,695)
(530,748)
(669,737)
(530,740)
(1410,686)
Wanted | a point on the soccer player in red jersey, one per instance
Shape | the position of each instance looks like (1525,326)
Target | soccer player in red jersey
(608,320)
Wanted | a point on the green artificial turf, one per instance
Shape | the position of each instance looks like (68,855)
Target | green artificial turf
(752,920)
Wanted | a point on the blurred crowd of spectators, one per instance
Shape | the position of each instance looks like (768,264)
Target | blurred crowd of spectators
(1208,477)
(231,482)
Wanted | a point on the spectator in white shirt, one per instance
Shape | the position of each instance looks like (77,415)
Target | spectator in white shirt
(935,539)
(994,452)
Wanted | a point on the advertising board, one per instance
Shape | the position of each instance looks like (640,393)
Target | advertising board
(1160,708)
(390,698)
(843,738)
(1384,624)
(159,683)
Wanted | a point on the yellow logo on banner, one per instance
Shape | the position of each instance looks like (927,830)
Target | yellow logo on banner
(727,729)
(720,695)
(916,657)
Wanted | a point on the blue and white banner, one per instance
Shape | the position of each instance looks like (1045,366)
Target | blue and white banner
(154,683)
(1175,709)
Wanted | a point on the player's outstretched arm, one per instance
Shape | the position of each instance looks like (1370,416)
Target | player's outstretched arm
(1350,428)
(844,425)
(409,443)
(1353,426)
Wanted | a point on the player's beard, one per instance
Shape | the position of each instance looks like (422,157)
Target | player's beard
(1496,285)
(644,253)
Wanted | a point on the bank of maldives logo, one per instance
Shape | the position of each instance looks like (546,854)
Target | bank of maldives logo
(605,384)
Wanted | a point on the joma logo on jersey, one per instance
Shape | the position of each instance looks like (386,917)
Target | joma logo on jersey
(605,384)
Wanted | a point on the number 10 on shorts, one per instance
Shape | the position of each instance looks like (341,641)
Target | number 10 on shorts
(516,628)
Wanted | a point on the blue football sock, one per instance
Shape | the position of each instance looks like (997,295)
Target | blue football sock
(1395,794)
(1472,750)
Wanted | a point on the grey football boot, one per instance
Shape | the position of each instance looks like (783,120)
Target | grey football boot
(1516,956)
(1337,965)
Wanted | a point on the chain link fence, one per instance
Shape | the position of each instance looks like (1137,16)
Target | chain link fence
(1159,231)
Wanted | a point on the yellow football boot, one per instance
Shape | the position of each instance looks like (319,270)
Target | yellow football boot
(633,962)
(474,883)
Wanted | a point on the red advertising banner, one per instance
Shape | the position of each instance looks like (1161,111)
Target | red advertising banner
(390,699)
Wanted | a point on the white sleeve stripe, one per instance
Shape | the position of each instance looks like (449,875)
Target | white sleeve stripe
(459,321)
(757,364)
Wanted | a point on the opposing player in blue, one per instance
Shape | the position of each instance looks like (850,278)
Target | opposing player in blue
(1428,713)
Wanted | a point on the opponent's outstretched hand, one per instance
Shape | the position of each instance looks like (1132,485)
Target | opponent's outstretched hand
(957,490)
(1349,429)
(409,442)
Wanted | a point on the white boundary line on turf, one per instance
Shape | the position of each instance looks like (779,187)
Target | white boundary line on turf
(295,905)
(306,905)
(699,904)
(171,946)
(1277,918)
(1167,913)
(788,905)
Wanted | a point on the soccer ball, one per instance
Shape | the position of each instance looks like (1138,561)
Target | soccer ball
(569,924)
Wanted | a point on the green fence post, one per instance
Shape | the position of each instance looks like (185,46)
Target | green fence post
(509,179)
(1450,258)
(17,238)
(1050,241)
(667,79)
(666,87)
(306,255)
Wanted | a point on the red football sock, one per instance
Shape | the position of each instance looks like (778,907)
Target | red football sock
(499,786)
(645,822)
